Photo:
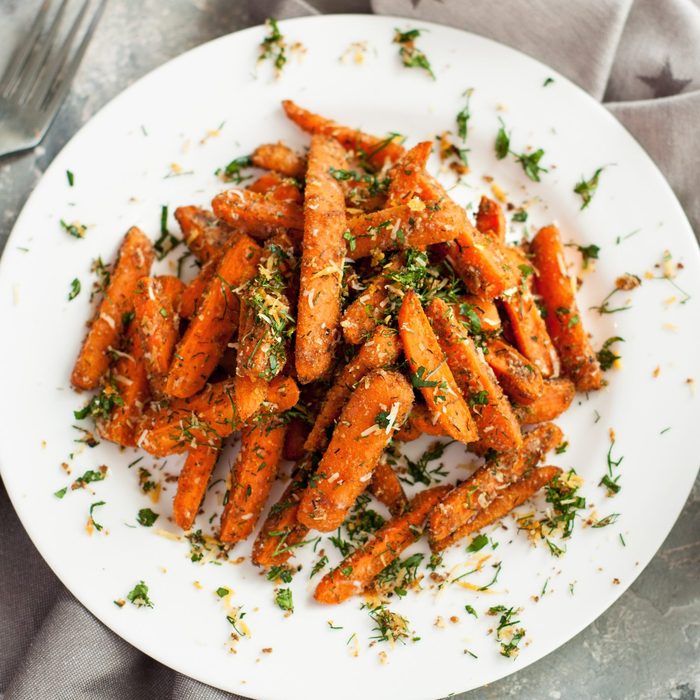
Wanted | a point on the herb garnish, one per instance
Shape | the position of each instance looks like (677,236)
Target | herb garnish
(138,596)
(101,405)
(281,573)
(607,520)
(418,471)
(606,357)
(146,517)
(222,592)
(273,46)
(412,57)
(91,519)
(283,599)
(390,626)
(463,117)
(71,178)
(502,144)
(479,542)
(588,252)
(318,565)
(587,188)
(89,477)
(470,611)
(509,646)
(233,171)
(529,161)
(235,620)
(75,229)
(74,289)
(398,576)
(166,242)
(61,492)
(610,481)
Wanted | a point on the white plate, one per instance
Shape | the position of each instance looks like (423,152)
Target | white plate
(120,160)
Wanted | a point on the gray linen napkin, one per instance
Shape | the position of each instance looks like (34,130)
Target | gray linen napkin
(642,57)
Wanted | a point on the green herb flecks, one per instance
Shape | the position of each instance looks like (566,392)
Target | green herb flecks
(166,242)
(102,404)
(74,289)
(77,230)
(280,573)
(283,599)
(398,577)
(463,117)
(71,178)
(233,172)
(606,357)
(419,471)
(587,188)
(506,633)
(411,56)
(90,477)
(138,596)
(273,47)
(389,626)
(146,517)
(611,480)
(478,543)
(502,145)
(91,517)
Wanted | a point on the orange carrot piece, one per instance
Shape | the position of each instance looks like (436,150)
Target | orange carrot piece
(192,484)
(194,290)
(209,331)
(386,488)
(431,373)
(281,531)
(363,315)
(355,573)
(518,377)
(563,319)
(382,349)
(404,175)
(252,476)
(156,304)
(419,422)
(477,492)
(490,219)
(497,426)
(282,394)
(323,251)
(278,188)
(485,310)
(376,151)
(355,448)
(130,381)
(509,498)
(280,158)
(204,234)
(258,215)
(297,432)
(133,262)
(557,395)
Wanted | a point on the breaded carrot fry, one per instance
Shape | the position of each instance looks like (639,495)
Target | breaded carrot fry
(297,431)
(355,448)
(282,394)
(490,219)
(192,484)
(362,316)
(252,475)
(563,320)
(280,158)
(518,377)
(404,175)
(281,531)
(557,395)
(431,373)
(509,498)
(403,226)
(419,422)
(195,289)
(386,488)
(477,492)
(372,149)
(133,262)
(497,426)
(130,381)
(209,331)
(382,349)
(258,215)
(323,251)
(355,573)
(204,234)
(249,394)
(282,189)
(156,304)
(485,310)
(527,325)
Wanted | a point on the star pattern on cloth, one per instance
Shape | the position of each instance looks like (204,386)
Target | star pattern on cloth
(665,83)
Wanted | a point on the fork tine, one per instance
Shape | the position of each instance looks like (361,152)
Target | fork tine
(51,102)
(43,85)
(23,50)
(35,64)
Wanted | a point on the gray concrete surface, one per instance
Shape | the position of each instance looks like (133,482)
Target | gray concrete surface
(647,646)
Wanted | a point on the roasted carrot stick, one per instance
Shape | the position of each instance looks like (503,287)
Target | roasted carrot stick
(557,395)
(282,394)
(362,316)
(497,426)
(563,319)
(405,175)
(156,305)
(371,149)
(192,484)
(386,488)
(430,372)
(419,422)
(280,158)
(518,377)
(376,408)
(252,475)
(194,290)
(209,331)
(490,219)
(133,262)
(380,350)
(355,573)
(281,531)
(298,430)
(485,311)
(259,215)
(318,311)
(204,234)
(509,498)
(130,381)
(477,492)
(276,187)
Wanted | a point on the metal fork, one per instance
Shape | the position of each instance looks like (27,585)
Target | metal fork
(40,73)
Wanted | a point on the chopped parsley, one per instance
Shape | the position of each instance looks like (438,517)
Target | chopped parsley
(283,599)
(561,448)
(138,596)
(61,492)
(71,178)
(318,565)
(547,81)
(418,379)
(389,626)
(146,517)
(89,477)
(562,493)
(587,188)
(502,144)
(97,525)
(281,573)
(412,57)
(511,639)
(74,289)
(419,471)
(273,47)
(588,253)
(222,592)
(463,117)
(398,576)
(609,480)
(470,611)
(101,405)
(479,398)
(75,229)
(607,520)
(606,357)
(235,620)
(531,164)
(166,242)
(233,172)
(479,542)
(520,216)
